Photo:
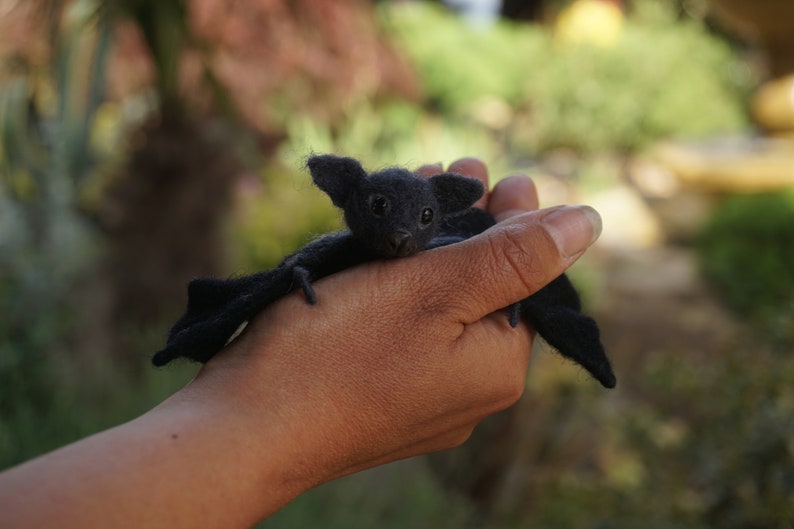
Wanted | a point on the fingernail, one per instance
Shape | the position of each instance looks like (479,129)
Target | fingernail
(573,228)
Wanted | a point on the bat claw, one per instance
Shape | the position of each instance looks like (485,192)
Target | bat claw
(304,279)
(515,315)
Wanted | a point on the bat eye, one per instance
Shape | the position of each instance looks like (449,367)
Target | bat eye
(427,216)
(378,205)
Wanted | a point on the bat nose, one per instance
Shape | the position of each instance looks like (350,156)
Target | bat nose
(400,244)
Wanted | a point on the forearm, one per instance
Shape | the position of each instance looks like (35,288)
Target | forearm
(187,463)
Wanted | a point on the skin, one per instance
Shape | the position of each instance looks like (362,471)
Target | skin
(398,358)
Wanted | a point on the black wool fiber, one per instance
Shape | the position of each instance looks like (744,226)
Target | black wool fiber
(390,213)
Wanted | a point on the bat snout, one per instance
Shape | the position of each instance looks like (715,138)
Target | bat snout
(400,244)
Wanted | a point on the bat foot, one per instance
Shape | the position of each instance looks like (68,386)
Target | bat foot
(311,297)
(304,279)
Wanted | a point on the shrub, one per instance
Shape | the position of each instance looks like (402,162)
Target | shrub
(747,254)
(664,77)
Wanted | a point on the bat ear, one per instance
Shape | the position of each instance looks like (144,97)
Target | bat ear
(455,193)
(335,175)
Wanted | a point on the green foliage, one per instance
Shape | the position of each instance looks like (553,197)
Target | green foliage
(651,85)
(391,132)
(459,63)
(705,443)
(47,246)
(664,77)
(747,253)
(278,218)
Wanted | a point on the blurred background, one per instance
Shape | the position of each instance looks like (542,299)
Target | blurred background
(145,142)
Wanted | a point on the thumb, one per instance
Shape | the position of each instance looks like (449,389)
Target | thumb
(513,259)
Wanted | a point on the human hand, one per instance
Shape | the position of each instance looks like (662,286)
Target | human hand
(406,356)
(397,358)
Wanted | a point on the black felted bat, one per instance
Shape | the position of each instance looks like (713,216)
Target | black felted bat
(391,213)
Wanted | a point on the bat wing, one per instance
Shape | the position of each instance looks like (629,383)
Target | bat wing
(574,335)
(216,309)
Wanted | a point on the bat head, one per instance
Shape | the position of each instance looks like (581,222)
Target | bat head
(392,211)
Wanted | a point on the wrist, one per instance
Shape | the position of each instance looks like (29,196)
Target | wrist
(252,461)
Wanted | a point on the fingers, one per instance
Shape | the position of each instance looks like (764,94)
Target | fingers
(428,170)
(471,167)
(509,262)
(512,196)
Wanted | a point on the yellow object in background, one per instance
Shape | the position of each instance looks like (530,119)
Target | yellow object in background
(598,22)
(772,106)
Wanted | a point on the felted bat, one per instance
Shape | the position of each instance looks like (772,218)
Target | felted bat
(389,214)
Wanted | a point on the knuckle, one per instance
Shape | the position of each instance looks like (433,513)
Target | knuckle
(459,437)
(513,392)
(508,391)
(435,290)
